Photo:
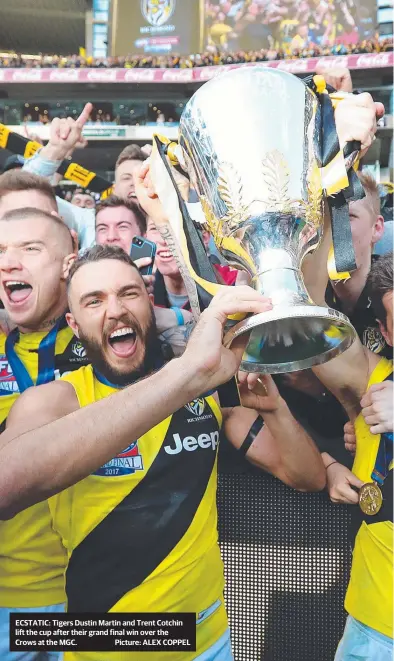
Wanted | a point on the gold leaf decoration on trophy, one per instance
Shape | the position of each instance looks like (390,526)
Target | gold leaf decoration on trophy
(230,190)
(313,208)
(276,176)
(215,226)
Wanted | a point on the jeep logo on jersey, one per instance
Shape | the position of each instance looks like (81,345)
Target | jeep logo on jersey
(78,350)
(196,406)
(191,443)
(125,463)
(157,12)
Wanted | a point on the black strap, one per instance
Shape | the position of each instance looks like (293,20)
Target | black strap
(251,435)
(338,204)
(196,249)
(228,392)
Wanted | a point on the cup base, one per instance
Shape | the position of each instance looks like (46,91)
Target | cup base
(292,338)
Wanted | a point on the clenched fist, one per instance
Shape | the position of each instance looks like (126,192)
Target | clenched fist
(355,119)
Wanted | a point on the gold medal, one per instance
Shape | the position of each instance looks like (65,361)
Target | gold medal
(370,498)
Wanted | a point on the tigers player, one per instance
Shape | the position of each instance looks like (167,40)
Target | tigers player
(139,518)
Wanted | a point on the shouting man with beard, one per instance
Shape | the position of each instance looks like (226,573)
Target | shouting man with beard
(135,505)
(36,250)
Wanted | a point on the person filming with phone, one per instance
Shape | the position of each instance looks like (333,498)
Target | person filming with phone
(123,223)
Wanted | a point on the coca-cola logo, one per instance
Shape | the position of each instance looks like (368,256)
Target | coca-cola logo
(293,66)
(102,76)
(371,60)
(140,75)
(206,73)
(329,62)
(64,75)
(27,75)
(178,75)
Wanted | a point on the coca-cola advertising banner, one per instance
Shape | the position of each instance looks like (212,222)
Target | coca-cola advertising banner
(301,66)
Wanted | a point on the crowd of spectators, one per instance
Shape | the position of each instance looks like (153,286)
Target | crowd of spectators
(209,58)
(124,453)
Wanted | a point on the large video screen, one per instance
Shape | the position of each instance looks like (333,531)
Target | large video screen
(235,25)
(155,27)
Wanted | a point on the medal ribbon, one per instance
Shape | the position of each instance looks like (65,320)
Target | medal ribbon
(385,453)
(46,358)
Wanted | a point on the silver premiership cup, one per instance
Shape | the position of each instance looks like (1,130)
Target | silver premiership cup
(251,142)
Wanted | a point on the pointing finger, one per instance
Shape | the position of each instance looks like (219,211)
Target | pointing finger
(85,114)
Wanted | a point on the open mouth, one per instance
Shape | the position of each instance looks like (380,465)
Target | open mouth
(123,342)
(165,255)
(17,291)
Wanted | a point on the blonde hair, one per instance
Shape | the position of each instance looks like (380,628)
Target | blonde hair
(15,181)
(371,191)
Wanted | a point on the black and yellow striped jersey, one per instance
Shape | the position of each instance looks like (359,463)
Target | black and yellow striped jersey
(141,532)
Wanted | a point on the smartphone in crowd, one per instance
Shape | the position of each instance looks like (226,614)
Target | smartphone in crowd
(141,247)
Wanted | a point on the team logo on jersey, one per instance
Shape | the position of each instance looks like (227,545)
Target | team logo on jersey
(373,339)
(8,383)
(157,12)
(196,406)
(127,462)
(78,350)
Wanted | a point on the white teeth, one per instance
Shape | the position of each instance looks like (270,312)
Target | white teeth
(165,253)
(121,331)
(14,282)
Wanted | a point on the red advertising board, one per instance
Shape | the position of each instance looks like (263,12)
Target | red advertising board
(363,61)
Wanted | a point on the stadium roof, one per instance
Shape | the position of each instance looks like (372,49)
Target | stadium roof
(46,26)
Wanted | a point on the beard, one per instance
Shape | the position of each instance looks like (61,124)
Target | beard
(152,358)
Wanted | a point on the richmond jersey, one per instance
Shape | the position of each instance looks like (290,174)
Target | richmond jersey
(369,596)
(141,532)
(32,558)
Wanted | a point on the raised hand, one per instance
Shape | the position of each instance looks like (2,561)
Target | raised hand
(355,118)
(146,194)
(66,135)
(338,77)
(213,363)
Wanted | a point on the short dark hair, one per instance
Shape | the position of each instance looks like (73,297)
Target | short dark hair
(17,180)
(30,213)
(97,254)
(379,283)
(130,153)
(113,201)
